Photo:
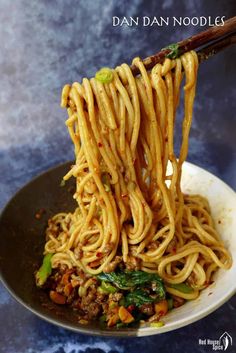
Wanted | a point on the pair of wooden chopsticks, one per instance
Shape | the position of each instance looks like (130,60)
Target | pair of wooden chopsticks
(206,43)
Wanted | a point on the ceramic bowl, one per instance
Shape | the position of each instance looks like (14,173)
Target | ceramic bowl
(22,241)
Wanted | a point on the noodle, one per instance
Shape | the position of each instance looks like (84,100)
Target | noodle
(123,135)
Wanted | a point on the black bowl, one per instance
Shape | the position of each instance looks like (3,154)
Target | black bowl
(22,242)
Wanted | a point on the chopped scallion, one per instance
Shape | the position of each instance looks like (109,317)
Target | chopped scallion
(174,51)
(104,75)
(157,324)
(181,287)
(44,271)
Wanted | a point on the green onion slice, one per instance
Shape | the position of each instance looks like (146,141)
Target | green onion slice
(174,51)
(181,287)
(44,271)
(104,75)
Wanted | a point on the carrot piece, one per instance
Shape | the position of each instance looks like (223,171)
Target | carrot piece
(113,315)
(125,315)
(113,320)
(161,307)
(68,289)
(75,283)
(113,306)
(65,277)
(56,297)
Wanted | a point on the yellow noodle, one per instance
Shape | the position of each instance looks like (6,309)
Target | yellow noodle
(124,135)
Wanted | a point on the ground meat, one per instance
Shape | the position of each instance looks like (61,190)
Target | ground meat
(177,301)
(171,248)
(112,266)
(100,298)
(71,296)
(116,296)
(60,288)
(63,269)
(133,264)
(154,318)
(82,276)
(89,298)
(191,280)
(52,229)
(105,307)
(93,310)
(153,245)
(78,252)
(108,248)
(147,309)
(66,285)
(76,304)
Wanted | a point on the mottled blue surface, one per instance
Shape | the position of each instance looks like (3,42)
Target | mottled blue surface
(45,44)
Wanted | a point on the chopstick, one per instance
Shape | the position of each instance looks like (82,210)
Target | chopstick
(208,43)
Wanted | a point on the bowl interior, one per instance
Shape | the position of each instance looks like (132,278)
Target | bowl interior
(22,242)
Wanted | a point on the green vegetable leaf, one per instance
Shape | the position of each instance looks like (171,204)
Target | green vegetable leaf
(104,75)
(174,51)
(121,325)
(44,271)
(138,297)
(170,303)
(182,287)
(132,279)
(107,288)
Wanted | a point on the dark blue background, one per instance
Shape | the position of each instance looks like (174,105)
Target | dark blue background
(45,44)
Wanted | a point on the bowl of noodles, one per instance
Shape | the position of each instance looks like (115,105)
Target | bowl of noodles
(129,239)
(18,272)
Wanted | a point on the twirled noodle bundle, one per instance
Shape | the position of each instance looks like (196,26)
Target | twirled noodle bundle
(128,206)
